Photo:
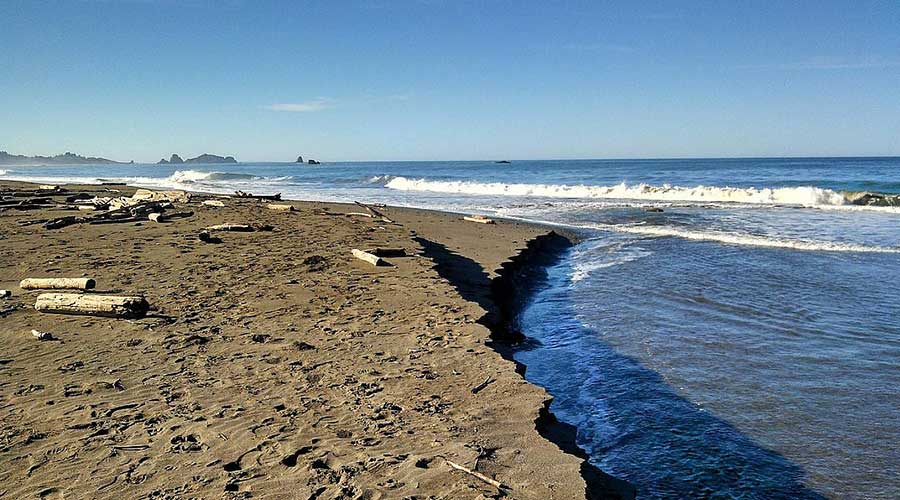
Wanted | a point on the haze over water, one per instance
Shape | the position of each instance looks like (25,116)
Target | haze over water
(743,342)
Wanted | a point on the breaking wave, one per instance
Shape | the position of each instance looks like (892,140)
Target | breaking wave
(802,196)
(189,176)
(744,239)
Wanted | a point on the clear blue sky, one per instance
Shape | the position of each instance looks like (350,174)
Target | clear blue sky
(433,79)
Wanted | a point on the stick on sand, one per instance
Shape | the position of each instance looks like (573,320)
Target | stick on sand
(492,482)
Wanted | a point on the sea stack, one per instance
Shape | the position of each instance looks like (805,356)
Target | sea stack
(174,160)
(299,159)
(313,162)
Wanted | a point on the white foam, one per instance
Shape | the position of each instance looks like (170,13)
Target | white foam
(585,262)
(744,239)
(802,196)
(4,172)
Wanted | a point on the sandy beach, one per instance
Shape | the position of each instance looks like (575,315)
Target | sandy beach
(273,364)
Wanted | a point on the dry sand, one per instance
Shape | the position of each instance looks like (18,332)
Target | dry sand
(275,364)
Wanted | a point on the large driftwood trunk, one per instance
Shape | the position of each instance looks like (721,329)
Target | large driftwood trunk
(92,305)
(366,256)
(57,283)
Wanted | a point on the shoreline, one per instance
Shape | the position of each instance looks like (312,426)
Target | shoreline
(462,283)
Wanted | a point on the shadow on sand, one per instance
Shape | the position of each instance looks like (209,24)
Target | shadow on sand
(676,450)
(474,285)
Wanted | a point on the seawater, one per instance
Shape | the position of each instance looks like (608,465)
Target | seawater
(744,342)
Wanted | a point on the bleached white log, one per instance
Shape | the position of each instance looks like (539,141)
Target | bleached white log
(366,256)
(360,214)
(57,283)
(283,208)
(92,305)
(213,203)
(173,196)
(244,228)
(479,219)
(42,335)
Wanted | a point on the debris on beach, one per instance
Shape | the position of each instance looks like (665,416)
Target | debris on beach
(213,203)
(5,294)
(282,208)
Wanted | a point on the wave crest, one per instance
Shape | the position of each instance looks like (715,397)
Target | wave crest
(803,195)
(191,176)
(744,239)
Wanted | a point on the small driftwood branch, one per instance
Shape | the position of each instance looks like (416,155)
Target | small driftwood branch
(366,256)
(492,482)
(374,212)
(92,305)
(57,283)
(478,388)
(359,214)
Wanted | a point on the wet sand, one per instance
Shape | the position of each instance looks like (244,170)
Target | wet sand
(274,364)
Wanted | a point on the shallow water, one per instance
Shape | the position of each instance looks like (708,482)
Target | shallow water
(743,343)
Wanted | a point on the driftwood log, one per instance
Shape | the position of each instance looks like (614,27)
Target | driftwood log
(162,217)
(282,208)
(274,197)
(479,219)
(92,305)
(388,252)
(242,228)
(57,283)
(213,203)
(42,335)
(366,256)
(130,213)
(172,196)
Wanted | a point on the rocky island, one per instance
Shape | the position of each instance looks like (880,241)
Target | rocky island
(204,158)
(66,158)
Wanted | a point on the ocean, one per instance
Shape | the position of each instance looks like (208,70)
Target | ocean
(727,328)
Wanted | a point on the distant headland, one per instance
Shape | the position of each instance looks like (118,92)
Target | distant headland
(204,158)
(66,158)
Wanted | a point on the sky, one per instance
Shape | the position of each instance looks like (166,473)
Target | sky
(449,80)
